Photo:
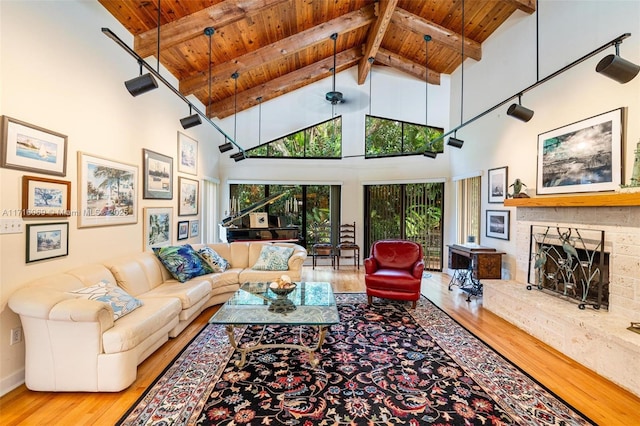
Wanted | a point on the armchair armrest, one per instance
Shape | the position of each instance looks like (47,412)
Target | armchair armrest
(418,269)
(370,265)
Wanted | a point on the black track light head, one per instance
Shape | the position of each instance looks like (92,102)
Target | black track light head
(455,142)
(190,121)
(141,84)
(228,146)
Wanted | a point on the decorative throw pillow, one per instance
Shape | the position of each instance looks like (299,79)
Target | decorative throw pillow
(273,258)
(182,262)
(121,301)
(213,259)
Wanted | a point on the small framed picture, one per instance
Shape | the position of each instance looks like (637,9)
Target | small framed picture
(32,148)
(157,227)
(498,224)
(43,197)
(258,220)
(183,230)
(497,184)
(157,176)
(187,154)
(47,240)
(187,197)
(194,229)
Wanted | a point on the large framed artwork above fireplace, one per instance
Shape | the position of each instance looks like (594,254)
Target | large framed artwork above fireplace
(596,338)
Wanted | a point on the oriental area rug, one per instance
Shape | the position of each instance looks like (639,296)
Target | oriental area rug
(384,364)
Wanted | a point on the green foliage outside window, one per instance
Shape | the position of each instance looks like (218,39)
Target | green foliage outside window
(385,137)
(323,140)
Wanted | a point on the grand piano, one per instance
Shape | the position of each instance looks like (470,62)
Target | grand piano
(239,226)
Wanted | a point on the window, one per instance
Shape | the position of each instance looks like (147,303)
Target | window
(323,140)
(468,193)
(386,138)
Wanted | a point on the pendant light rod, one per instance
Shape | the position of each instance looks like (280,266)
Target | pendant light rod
(158,41)
(605,46)
(142,62)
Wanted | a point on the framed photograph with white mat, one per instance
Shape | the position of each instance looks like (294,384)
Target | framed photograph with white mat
(47,240)
(497,225)
(497,184)
(157,227)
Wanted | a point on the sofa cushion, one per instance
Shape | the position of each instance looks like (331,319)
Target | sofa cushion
(120,301)
(182,261)
(273,258)
(213,259)
(189,293)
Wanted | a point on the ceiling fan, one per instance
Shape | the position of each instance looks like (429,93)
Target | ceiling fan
(334,96)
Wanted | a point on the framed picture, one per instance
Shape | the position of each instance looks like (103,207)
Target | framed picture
(47,240)
(258,220)
(497,184)
(194,229)
(187,197)
(498,224)
(183,230)
(157,176)
(581,157)
(42,197)
(187,154)
(107,192)
(157,227)
(32,148)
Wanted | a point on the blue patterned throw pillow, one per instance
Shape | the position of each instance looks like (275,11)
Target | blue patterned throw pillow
(213,259)
(273,258)
(182,262)
(121,302)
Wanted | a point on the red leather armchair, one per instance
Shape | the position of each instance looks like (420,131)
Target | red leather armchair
(394,270)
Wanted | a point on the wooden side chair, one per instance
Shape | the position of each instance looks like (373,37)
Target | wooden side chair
(348,244)
(322,246)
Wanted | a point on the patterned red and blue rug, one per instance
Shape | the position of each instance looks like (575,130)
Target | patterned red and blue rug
(384,364)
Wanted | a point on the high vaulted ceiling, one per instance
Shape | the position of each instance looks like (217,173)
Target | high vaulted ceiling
(277,46)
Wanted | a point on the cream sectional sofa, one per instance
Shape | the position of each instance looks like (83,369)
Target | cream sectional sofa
(74,344)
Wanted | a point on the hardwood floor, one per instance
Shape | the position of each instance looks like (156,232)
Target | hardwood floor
(604,402)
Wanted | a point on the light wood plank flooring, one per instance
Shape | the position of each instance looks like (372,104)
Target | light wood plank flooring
(601,400)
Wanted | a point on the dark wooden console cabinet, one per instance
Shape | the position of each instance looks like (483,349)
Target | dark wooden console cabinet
(485,262)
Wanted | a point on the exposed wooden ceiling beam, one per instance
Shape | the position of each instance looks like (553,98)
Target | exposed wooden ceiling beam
(439,34)
(191,26)
(285,84)
(527,6)
(281,48)
(400,63)
(384,10)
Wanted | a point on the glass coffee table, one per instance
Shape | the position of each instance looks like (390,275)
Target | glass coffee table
(310,304)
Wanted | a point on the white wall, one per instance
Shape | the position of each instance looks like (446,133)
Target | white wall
(61,73)
(568,30)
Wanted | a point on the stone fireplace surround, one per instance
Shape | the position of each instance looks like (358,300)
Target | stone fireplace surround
(598,339)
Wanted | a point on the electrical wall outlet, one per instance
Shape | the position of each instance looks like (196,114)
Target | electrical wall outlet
(16,336)
(11,226)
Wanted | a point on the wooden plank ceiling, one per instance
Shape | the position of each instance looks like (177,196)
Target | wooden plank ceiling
(277,46)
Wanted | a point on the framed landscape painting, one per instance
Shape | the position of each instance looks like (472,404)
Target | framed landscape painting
(157,227)
(585,156)
(194,230)
(187,197)
(43,197)
(183,230)
(497,184)
(157,176)
(32,148)
(498,224)
(107,192)
(47,240)
(187,154)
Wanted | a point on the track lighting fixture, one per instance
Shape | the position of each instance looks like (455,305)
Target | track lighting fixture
(617,68)
(227,146)
(430,154)
(520,112)
(238,156)
(141,84)
(455,142)
(191,120)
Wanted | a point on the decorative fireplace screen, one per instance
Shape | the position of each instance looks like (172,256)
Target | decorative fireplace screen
(571,263)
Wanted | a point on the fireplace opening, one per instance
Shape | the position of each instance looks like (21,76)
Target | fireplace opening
(570,263)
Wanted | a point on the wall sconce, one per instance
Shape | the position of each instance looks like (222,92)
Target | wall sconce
(520,112)
(141,84)
(238,156)
(225,147)
(455,142)
(190,121)
(617,68)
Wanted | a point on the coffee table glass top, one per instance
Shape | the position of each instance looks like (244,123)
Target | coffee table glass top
(314,302)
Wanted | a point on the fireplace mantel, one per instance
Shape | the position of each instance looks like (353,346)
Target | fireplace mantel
(591,200)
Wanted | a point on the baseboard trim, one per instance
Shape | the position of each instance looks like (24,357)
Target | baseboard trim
(9,383)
